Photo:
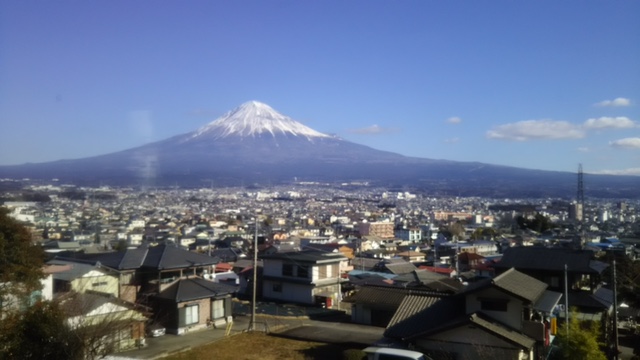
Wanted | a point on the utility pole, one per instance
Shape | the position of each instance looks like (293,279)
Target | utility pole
(566,299)
(615,314)
(252,323)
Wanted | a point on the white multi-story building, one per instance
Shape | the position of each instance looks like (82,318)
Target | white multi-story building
(306,277)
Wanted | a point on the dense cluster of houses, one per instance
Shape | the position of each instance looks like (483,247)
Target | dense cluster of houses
(179,264)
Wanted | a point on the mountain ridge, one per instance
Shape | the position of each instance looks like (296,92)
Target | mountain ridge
(255,144)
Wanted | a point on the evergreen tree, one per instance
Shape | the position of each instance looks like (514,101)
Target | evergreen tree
(582,341)
(21,262)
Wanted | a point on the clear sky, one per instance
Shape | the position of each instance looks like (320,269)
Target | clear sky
(535,84)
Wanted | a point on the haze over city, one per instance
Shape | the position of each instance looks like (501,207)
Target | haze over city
(541,85)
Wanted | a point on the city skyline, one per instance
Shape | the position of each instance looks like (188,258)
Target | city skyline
(541,85)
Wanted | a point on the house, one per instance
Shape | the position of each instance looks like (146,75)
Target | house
(118,324)
(82,278)
(411,234)
(395,266)
(331,247)
(47,282)
(376,305)
(193,303)
(306,277)
(412,256)
(508,317)
(381,229)
(167,279)
(147,270)
(584,275)
(469,261)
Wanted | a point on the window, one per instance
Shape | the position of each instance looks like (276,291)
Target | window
(303,271)
(277,288)
(191,315)
(287,270)
(217,309)
(493,304)
(101,283)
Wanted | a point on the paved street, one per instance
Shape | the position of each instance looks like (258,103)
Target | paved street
(294,326)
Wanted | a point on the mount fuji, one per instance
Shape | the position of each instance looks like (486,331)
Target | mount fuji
(256,144)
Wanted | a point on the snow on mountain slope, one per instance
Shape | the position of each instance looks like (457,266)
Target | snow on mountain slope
(255,118)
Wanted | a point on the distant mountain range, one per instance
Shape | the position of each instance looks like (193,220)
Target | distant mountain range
(254,144)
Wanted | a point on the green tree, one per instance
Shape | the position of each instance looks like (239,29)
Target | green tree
(40,332)
(539,223)
(21,262)
(122,246)
(582,340)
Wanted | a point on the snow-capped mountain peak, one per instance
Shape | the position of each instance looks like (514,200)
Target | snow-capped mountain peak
(255,118)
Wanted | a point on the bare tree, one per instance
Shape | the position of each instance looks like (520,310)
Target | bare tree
(102,325)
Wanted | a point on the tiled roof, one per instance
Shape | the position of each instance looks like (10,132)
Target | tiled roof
(550,259)
(435,269)
(400,268)
(418,318)
(521,285)
(420,276)
(195,288)
(601,299)
(502,331)
(513,282)
(447,310)
(75,304)
(357,277)
(378,296)
(362,263)
(547,301)
(158,257)
(445,285)
(411,305)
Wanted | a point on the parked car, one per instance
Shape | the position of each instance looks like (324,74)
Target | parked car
(382,353)
(156,330)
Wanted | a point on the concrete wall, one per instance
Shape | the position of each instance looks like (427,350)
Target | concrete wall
(96,281)
(512,317)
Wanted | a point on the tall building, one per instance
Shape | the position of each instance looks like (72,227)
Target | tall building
(381,229)
(576,212)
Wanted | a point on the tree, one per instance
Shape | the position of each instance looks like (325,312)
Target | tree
(21,262)
(100,325)
(122,246)
(582,342)
(40,332)
(538,223)
(457,229)
(29,328)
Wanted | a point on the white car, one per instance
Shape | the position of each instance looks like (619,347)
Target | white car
(156,331)
(383,353)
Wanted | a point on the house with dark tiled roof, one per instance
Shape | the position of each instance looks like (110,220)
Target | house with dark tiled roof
(396,266)
(584,276)
(193,303)
(376,305)
(508,317)
(169,280)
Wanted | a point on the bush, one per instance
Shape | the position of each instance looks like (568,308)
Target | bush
(354,354)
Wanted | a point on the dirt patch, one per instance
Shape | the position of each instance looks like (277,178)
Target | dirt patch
(260,346)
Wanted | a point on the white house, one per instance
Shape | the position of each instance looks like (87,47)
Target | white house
(307,277)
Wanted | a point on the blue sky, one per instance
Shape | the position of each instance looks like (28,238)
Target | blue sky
(535,84)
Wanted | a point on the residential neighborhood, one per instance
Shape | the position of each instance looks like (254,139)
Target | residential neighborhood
(451,278)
